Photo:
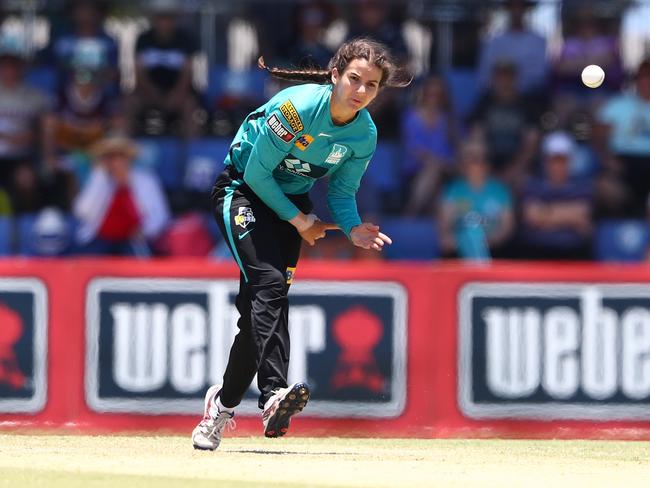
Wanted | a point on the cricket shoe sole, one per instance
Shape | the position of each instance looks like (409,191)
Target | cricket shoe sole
(283,405)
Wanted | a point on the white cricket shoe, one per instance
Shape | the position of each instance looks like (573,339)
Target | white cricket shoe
(279,409)
(207,434)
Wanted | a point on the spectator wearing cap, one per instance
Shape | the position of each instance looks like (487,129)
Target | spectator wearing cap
(164,70)
(622,140)
(476,214)
(508,121)
(121,210)
(556,210)
(518,45)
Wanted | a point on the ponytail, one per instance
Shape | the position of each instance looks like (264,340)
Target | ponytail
(320,76)
(374,52)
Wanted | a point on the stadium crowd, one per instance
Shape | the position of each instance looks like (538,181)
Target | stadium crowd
(508,158)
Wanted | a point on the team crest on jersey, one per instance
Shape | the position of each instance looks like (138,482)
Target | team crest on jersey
(279,129)
(244,217)
(336,154)
(291,114)
(303,141)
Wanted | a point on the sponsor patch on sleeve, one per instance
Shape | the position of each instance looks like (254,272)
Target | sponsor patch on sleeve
(279,129)
(303,141)
(291,114)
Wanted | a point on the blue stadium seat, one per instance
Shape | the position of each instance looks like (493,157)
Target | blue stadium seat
(5,235)
(462,86)
(44,78)
(382,170)
(204,161)
(413,238)
(165,156)
(223,81)
(621,240)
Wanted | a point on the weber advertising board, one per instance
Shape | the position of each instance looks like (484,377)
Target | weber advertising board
(23,345)
(554,351)
(155,345)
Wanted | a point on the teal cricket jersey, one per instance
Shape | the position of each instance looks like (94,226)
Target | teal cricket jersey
(288,143)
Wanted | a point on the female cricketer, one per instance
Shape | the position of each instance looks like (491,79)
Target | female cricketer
(305,132)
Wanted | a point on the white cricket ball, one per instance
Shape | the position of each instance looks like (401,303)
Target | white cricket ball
(593,76)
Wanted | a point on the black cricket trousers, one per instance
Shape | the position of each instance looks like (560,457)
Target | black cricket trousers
(266,249)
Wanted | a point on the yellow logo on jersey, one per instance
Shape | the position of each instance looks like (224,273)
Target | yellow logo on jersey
(290,273)
(303,141)
(291,114)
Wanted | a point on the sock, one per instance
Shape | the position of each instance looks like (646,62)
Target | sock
(219,407)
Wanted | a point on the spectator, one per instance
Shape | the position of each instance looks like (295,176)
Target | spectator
(508,121)
(521,47)
(21,114)
(476,214)
(164,70)
(372,18)
(622,140)
(588,44)
(84,113)
(86,39)
(429,137)
(311,21)
(121,210)
(557,212)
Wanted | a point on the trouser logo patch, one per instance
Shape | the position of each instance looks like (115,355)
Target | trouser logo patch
(244,217)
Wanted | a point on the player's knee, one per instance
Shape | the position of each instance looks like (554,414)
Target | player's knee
(274,282)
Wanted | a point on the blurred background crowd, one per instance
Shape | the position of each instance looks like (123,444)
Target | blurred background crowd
(115,118)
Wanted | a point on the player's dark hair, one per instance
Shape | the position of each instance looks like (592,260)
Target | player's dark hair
(372,51)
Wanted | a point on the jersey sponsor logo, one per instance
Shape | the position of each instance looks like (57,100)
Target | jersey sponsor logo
(301,168)
(244,217)
(279,129)
(303,141)
(336,154)
(291,114)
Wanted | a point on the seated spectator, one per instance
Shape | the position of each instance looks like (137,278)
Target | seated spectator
(86,35)
(22,109)
(622,140)
(85,111)
(164,71)
(508,121)
(429,137)
(586,44)
(121,210)
(557,211)
(525,49)
(372,18)
(476,215)
(309,48)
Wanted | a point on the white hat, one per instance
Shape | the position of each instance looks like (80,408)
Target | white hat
(558,144)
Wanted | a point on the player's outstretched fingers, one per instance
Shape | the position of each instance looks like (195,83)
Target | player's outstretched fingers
(385,238)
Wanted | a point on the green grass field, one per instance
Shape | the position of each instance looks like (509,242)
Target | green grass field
(53,461)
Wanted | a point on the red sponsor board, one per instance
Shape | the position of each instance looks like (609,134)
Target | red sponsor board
(403,350)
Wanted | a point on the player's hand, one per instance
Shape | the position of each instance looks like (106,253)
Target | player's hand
(367,236)
(317,231)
